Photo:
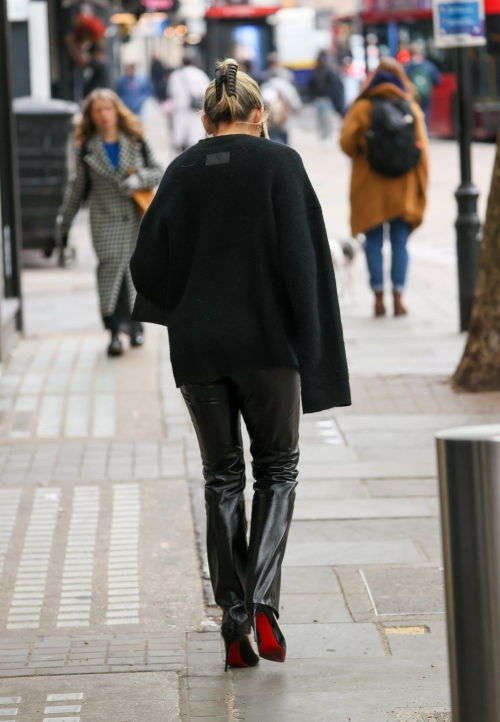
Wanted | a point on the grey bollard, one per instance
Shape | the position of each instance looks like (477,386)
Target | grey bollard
(469,480)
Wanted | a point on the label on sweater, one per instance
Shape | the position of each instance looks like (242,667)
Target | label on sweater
(218,158)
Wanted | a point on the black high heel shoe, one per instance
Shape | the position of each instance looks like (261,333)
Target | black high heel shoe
(270,639)
(238,644)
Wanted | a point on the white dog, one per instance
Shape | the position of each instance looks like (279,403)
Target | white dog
(343,256)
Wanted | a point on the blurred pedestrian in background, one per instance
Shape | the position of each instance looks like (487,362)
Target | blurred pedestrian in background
(134,89)
(275,70)
(186,89)
(96,73)
(424,75)
(384,133)
(249,68)
(281,99)
(327,92)
(159,78)
(233,257)
(113,161)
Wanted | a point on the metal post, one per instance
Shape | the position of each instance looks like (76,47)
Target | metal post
(467,224)
(11,227)
(469,477)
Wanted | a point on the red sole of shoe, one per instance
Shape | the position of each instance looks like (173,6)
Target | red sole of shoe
(234,657)
(268,646)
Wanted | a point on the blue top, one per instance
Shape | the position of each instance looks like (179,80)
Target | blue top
(113,153)
(134,91)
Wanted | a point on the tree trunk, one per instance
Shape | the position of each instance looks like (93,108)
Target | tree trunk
(479,369)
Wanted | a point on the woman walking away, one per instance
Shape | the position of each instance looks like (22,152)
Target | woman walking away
(384,133)
(113,161)
(233,257)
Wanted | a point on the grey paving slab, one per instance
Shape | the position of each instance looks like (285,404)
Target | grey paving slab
(315,641)
(368,469)
(382,423)
(149,696)
(351,552)
(392,593)
(326,453)
(309,580)
(406,590)
(409,646)
(423,714)
(365,530)
(403,487)
(88,654)
(363,689)
(391,439)
(313,608)
(413,457)
(364,508)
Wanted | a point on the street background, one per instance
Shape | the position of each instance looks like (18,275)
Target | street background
(105,606)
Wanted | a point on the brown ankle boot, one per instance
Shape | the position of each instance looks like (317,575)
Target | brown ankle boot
(379,304)
(399,309)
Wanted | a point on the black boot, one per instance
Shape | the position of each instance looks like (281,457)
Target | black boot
(115,348)
(137,337)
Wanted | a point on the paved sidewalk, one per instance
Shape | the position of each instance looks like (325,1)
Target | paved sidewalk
(105,607)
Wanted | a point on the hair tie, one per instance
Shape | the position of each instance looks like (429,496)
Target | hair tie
(228,79)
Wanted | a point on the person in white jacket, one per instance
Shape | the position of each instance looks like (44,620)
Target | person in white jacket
(186,90)
(282,100)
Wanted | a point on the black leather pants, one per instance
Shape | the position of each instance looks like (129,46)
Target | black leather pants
(244,574)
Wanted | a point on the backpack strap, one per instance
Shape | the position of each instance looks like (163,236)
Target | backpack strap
(84,151)
(144,152)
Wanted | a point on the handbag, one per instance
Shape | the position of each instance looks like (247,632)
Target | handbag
(142,198)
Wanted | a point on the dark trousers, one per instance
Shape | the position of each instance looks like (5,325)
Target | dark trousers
(120,318)
(244,574)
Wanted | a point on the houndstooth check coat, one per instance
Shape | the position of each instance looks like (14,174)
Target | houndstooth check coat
(114,218)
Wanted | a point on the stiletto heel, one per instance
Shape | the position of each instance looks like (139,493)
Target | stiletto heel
(270,640)
(237,644)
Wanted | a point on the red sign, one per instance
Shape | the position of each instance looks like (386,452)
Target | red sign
(241,11)
(158,5)
(492,7)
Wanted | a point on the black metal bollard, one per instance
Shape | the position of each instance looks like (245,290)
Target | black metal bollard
(469,478)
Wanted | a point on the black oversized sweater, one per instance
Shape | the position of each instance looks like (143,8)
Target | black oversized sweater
(233,257)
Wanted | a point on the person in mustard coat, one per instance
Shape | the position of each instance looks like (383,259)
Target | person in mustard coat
(377,199)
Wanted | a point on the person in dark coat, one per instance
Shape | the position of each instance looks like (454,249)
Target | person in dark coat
(233,257)
(327,92)
(159,78)
(97,73)
(113,160)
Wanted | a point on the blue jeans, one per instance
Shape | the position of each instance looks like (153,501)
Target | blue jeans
(399,231)
(324,117)
(279,135)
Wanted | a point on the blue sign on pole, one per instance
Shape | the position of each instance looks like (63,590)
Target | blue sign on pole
(459,23)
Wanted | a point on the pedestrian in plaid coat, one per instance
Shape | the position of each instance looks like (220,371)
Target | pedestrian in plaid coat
(113,160)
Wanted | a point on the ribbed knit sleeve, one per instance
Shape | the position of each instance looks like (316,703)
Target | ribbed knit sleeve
(149,263)
(307,271)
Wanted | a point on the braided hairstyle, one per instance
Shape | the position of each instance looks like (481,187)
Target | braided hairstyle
(232,96)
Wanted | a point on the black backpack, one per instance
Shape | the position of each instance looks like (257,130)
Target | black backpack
(392,149)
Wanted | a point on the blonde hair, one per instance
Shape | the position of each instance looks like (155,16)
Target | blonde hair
(220,107)
(128,123)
